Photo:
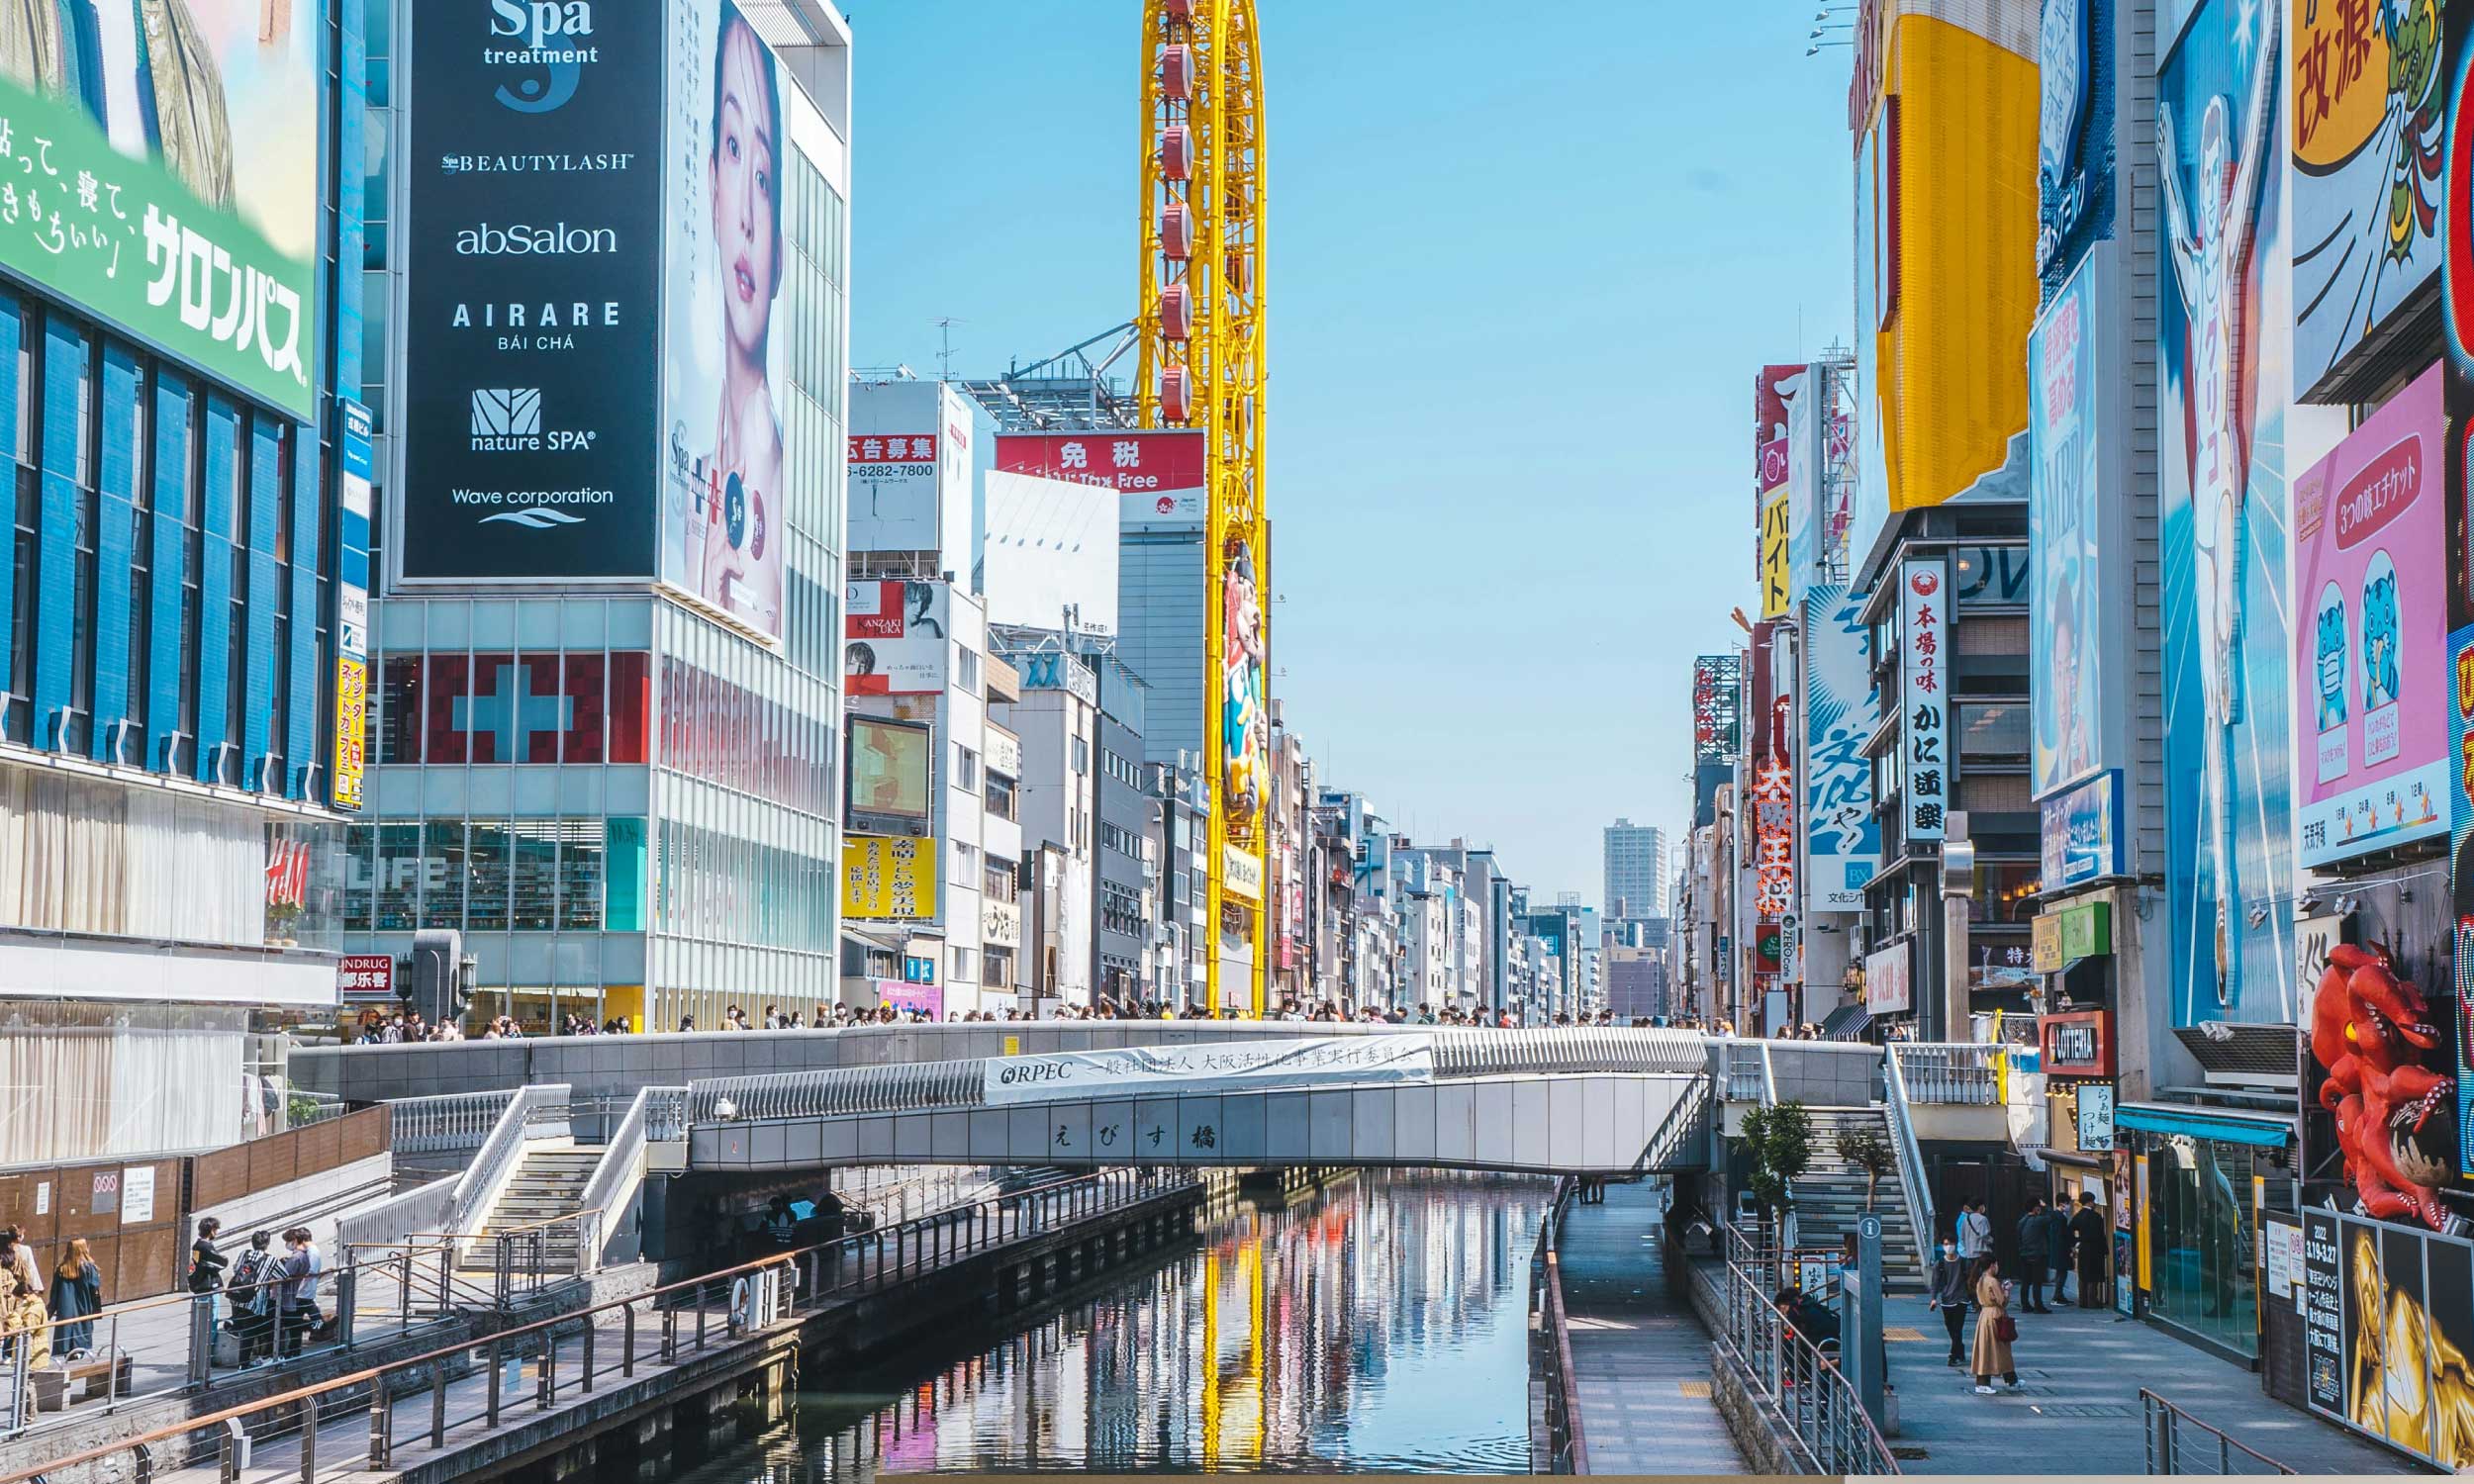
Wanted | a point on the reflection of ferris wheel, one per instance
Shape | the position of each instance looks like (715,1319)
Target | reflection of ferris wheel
(1199,328)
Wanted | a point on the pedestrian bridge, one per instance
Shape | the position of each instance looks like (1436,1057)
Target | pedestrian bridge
(1592,1103)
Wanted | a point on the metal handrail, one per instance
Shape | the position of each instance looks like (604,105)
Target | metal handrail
(502,1153)
(749,1292)
(2163,1425)
(1947,1071)
(1770,1075)
(446,1120)
(1802,1388)
(1912,1185)
(620,1176)
(1566,1443)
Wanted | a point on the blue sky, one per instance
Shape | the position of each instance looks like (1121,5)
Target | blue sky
(1522,264)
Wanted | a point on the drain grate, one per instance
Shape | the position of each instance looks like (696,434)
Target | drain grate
(1908,1452)
(2085,1410)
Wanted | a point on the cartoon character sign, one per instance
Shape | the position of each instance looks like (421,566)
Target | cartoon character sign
(1245,722)
(2216,103)
(2328,663)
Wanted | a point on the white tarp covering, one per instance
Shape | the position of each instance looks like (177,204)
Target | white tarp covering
(1225,1066)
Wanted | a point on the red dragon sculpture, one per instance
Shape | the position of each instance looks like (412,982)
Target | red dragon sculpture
(2370,1029)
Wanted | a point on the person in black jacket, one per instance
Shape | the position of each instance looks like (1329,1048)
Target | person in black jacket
(206,1266)
(2058,1244)
(1945,1291)
(2034,1256)
(2090,1234)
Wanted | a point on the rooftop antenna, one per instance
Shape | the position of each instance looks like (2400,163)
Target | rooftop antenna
(945,339)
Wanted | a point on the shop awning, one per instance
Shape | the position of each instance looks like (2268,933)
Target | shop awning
(1847,1023)
(2224,1123)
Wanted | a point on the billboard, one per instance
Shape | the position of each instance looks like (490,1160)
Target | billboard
(888,878)
(2388,1327)
(1245,719)
(1161,475)
(1048,545)
(1717,707)
(1772,387)
(164,176)
(910,470)
(2078,572)
(1888,986)
(895,638)
(891,775)
(2369,117)
(1944,108)
(1842,838)
(2225,340)
(532,248)
(353,470)
(2075,133)
(2371,538)
(2081,829)
(1773,800)
(724,369)
(1922,633)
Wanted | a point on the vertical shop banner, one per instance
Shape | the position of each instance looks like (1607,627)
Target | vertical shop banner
(2369,86)
(1925,772)
(1774,835)
(2370,653)
(353,471)
(1842,838)
(160,172)
(531,250)
(1771,388)
(2461,878)
(725,373)
(2075,593)
(2224,333)
(1776,578)
(1807,464)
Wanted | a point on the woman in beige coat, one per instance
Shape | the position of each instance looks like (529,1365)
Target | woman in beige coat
(24,1321)
(1994,1327)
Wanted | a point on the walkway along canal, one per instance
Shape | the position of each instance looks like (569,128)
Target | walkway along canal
(612,1391)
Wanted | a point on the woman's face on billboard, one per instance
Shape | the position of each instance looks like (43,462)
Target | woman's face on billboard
(743,185)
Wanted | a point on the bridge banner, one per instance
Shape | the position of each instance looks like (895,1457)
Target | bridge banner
(1228,1066)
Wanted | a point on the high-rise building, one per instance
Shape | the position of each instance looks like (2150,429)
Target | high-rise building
(1636,870)
(610,635)
(183,588)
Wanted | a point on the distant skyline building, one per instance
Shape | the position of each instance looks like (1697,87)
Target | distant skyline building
(1636,870)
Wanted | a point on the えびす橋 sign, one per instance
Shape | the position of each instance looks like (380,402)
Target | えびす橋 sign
(2370,637)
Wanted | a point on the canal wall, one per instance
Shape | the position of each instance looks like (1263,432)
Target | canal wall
(643,1430)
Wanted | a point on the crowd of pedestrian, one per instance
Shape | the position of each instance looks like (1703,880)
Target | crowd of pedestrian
(266,1300)
(48,1315)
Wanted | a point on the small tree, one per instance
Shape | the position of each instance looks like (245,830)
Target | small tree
(1778,1140)
(1868,1151)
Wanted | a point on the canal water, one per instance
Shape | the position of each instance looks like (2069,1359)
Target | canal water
(1378,1325)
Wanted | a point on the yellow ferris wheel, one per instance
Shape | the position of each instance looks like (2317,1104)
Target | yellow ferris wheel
(1200,330)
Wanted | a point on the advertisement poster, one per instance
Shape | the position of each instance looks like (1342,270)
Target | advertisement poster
(2371,655)
(2074,135)
(895,638)
(888,878)
(354,471)
(1159,474)
(1924,610)
(1842,838)
(1887,988)
(2448,1268)
(2081,830)
(926,999)
(163,164)
(2387,1316)
(1048,548)
(2323,1313)
(2461,875)
(908,470)
(1778,580)
(2369,92)
(531,250)
(2077,719)
(2226,366)
(724,368)
(1245,720)
(890,773)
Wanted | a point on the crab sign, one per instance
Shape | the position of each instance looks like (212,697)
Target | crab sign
(2370,1030)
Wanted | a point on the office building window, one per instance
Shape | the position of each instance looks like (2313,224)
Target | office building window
(966,766)
(1082,757)
(961,966)
(967,672)
(1000,796)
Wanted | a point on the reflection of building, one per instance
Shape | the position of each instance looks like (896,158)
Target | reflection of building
(176,754)
(626,804)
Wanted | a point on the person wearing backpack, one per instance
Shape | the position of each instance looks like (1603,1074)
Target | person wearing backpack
(252,1291)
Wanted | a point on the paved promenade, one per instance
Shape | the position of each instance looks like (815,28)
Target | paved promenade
(1640,1359)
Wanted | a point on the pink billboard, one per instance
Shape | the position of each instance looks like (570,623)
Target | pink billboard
(927,999)
(2370,634)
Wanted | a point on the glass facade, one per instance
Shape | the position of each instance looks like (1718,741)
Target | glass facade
(2202,1234)
(627,809)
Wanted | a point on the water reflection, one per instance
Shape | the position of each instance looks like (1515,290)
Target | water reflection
(1376,1326)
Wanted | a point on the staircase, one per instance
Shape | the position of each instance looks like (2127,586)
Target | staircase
(1829,1197)
(549,1183)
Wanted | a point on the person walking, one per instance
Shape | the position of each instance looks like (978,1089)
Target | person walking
(1995,1329)
(76,1293)
(251,1290)
(300,1271)
(2034,1256)
(1975,1231)
(2089,1236)
(1946,1292)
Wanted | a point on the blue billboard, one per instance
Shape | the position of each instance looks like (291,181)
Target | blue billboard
(1841,837)
(2224,321)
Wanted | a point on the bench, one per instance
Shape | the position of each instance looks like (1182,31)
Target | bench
(55,1386)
